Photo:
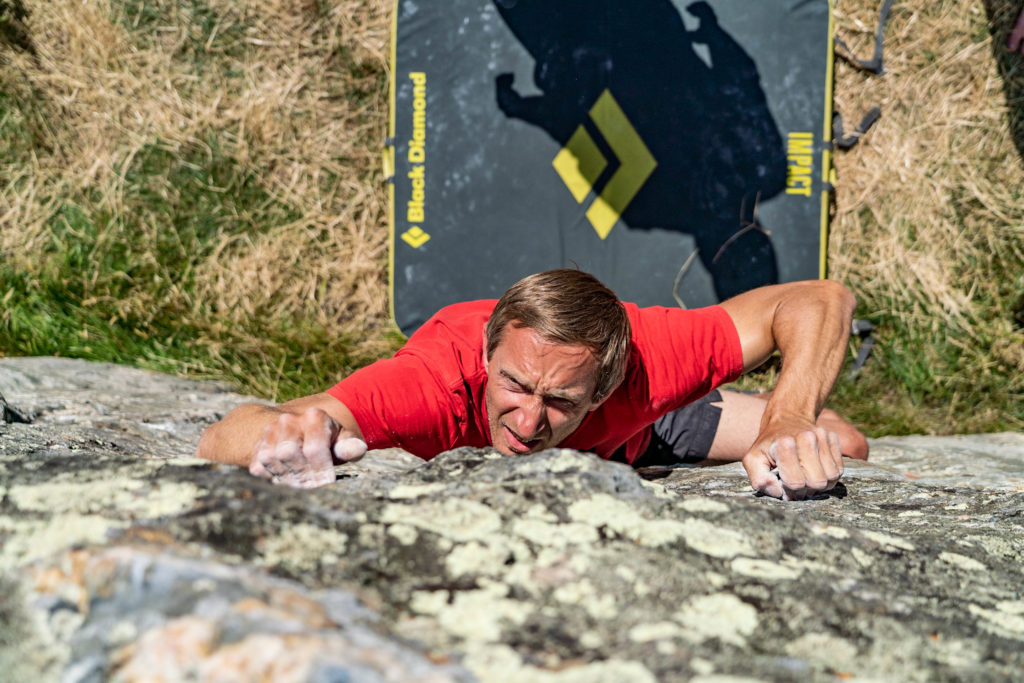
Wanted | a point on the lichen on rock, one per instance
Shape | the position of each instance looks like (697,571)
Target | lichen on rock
(118,553)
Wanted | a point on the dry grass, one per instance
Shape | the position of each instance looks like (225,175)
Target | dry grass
(250,132)
(290,92)
(929,224)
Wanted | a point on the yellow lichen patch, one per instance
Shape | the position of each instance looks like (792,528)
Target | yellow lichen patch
(303,547)
(830,531)
(407,491)
(126,496)
(999,622)
(722,616)
(1011,606)
(502,663)
(405,534)
(825,649)
(566,461)
(764,569)
(863,559)
(583,593)
(428,602)
(714,540)
(963,562)
(35,539)
(538,511)
(478,559)
(478,615)
(658,490)
(555,535)
(613,514)
(715,580)
(661,630)
(889,542)
(460,520)
(803,564)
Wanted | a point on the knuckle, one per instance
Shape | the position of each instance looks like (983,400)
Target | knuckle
(313,416)
(809,438)
(794,483)
(786,442)
(286,449)
(817,484)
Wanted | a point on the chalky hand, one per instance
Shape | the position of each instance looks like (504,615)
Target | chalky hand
(794,461)
(301,451)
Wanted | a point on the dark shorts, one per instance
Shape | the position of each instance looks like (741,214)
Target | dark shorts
(684,435)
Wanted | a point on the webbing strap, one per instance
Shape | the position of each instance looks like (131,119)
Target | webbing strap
(875,64)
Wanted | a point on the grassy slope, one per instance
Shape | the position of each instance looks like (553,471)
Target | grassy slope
(929,227)
(194,186)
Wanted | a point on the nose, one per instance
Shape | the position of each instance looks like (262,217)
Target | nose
(530,420)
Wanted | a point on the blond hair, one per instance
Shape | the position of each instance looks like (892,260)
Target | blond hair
(567,306)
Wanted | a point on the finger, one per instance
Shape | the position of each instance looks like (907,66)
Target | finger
(834,470)
(256,466)
(318,433)
(263,454)
(815,460)
(349,449)
(830,469)
(761,472)
(785,452)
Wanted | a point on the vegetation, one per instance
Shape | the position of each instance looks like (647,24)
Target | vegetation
(194,186)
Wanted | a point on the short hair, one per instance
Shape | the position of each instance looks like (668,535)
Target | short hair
(568,306)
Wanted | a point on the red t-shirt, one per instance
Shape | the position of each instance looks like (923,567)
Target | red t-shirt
(429,398)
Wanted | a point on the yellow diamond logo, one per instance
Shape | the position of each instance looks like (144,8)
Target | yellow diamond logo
(580,163)
(415,237)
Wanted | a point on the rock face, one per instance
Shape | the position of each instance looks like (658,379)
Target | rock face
(122,558)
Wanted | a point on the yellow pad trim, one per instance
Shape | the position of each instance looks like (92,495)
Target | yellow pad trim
(579,164)
(636,164)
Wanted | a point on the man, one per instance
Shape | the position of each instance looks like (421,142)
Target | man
(560,361)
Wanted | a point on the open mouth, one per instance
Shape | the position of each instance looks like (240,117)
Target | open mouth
(517,445)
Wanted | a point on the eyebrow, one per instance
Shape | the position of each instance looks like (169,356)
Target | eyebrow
(570,396)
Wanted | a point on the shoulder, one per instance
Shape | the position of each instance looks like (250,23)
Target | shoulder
(656,322)
(694,342)
(451,342)
(461,322)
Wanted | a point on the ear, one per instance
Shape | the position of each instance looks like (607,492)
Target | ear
(597,404)
(483,345)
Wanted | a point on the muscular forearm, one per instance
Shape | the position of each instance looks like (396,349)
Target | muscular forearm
(809,324)
(811,331)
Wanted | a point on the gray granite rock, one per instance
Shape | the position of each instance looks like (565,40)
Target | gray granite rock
(121,555)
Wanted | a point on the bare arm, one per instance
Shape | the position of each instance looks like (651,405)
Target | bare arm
(809,323)
(296,443)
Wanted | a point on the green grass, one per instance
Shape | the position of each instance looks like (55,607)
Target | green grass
(120,288)
(200,29)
